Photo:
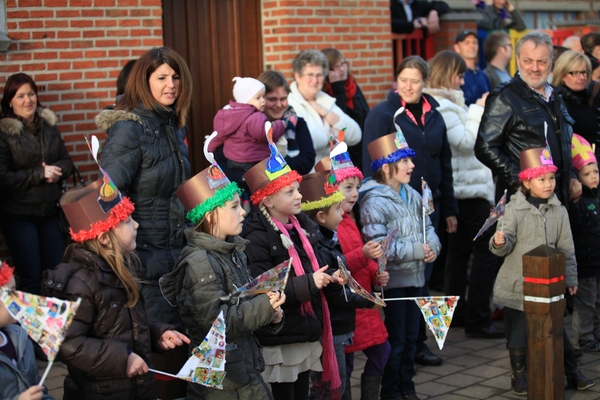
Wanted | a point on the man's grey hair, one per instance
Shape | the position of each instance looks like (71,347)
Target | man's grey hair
(310,56)
(538,38)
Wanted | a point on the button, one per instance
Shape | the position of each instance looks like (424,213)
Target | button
(274,247)
(210,276)
(114,305)
(58,285)
(202,280)
(50,282)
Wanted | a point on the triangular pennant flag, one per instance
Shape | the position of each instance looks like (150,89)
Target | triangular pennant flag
(437,311)
(427,198)
(355,286)
(269,281)
(385,247)
(495,215)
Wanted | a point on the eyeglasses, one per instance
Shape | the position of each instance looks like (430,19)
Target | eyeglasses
(577,74)
(314,76)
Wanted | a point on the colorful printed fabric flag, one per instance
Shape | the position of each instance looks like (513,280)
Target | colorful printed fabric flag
(272,280)
(495,215)
(385,247)
(427,198)
(355,286)
(45,319)
(437,312)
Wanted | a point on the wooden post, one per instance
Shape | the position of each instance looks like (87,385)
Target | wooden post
(544,304)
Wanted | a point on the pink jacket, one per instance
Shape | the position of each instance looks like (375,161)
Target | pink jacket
(241,129)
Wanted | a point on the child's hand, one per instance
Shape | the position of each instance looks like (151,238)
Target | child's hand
(378,298)
(135,366)
(338,278)
(573,290)
(382,278)
(321,279)
(276,299)
(429,254)
(499,239)
(33,393)
(170,339)
(278,316)
(372,250)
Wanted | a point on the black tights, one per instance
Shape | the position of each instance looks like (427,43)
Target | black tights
(292,390)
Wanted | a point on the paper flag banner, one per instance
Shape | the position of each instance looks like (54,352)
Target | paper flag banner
(355,286)
(385,247)
(46,319)
(270,281)
(495,215)
(427,198)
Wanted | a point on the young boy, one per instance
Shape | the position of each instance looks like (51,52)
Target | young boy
(18,369)
(585,225)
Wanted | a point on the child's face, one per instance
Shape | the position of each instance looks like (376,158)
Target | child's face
(332,219)
(349,188)
(285,203)
(126,232)
(405,168)
(588,175)
(258,100)
(230,218)
(541,187)
(5,317)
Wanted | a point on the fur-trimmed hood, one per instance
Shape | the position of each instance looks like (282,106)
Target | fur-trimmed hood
(107,118)
(14,126)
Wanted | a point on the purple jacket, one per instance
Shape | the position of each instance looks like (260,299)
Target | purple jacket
(244,128)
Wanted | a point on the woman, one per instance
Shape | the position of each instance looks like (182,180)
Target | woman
(571,75)
(339,83)
(33,163)
(146,157)
(474,191)
(318,109)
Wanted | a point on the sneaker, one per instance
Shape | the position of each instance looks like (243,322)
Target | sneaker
(576,380)
(588,345)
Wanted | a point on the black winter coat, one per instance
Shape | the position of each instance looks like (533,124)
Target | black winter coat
(513,121)
(585,116)
(420,8)
(25,192)
(585,225)
(104,329)
(266,251)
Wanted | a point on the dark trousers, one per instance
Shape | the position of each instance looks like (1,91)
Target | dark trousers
(34,247)
(475,312)
(292,390)
(377,357)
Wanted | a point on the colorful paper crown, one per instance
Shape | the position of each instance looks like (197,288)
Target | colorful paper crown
(536,162)
(6,272)
(320,190)
(271,174)
(339,160)
(390,148)
(208,189)
(581,152)
(101,209)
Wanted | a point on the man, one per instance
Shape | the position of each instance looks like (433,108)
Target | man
(573,43)
(501,14)
(591,47)
(408,15)
(498,52)
(517,116)
(476,83)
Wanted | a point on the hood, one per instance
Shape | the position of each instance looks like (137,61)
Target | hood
(107,118)
(455,96)
(14,126)
(229,121)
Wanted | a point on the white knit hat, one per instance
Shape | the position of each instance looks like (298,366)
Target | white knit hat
(245,88)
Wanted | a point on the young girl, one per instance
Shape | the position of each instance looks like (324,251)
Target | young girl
(276,233)
(213,265)
(109,344)
(388,202)
(370,334)
(533,217)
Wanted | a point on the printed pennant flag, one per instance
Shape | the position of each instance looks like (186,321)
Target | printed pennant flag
(45,319)
(427,198)
(495,215)
(270,281)
(437,312)
(355,286)
(385,247)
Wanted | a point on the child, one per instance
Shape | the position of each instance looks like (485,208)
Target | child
(276,233)
(585,224)
(533,217)
(108,346)
(387,202)
(213,265)
(370,335)
(18,370)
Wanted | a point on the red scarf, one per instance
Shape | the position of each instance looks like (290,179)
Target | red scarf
(349,85)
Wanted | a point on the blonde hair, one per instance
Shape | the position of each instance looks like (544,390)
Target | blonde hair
(566,62)
(443,67)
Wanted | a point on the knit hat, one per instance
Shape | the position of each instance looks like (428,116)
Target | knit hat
(6,272)
(271,174)
(245,88)
(320,190)
(581,152)
(390,148)
(536,162)
(101,208)
(339,160)
(207,190)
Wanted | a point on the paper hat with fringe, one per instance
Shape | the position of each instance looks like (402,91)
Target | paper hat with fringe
(6,272)
(581,152)
(207,190)
(536,162)
(339,160)
(100,208)
(320,190)
(270,175)
(389,148)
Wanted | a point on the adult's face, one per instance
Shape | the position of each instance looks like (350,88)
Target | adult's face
(499,3)
(310,81)
(457,81)
(276,102)
(341,67)
(596,52)
(410,85)
(534,64)
(577,78)
(164,85)
(507,48)
(468,48)
(24,103)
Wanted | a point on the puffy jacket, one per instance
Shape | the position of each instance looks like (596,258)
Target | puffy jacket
(104,329)
(525,228)
(585,226)
(209,269)
(17,379)
(25,191)
(513,121)
(471,179)
(381,210)
(266,251)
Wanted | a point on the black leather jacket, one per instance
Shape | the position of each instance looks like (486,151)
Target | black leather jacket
(513,121)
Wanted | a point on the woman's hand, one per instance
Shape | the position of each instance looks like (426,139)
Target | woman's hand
(499,239)
(331,117)
(372,250)
(575,190)
(33,393)
(382,278)
(322,279)
(451,224)
(481,101)
(170,339)
(135,366)
(334,76)
(52,173)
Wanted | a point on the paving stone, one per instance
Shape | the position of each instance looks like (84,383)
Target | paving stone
(440,370)
(479,391)
(467,361)
(478,344)
(486,371)
(493,353)
(424,377)
(461,379)
(499,382)
(450,396)
(434,388)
